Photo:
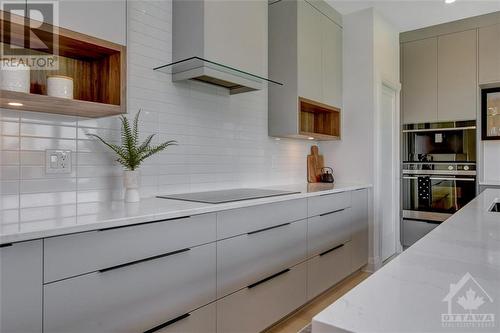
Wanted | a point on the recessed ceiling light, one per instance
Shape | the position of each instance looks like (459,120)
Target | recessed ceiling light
(449,1)
(15,104)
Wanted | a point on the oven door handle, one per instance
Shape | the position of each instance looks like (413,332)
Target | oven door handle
(442,178)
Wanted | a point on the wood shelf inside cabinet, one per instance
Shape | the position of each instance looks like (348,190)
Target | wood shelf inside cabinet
(97,67)
(318,120)
(64,106)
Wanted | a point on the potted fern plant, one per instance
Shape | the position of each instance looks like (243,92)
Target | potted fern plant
(131,153)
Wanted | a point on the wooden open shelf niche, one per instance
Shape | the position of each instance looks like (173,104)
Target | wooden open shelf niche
(319,121)
(98,69)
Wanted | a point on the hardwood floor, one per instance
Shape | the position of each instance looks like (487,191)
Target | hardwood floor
(302,317)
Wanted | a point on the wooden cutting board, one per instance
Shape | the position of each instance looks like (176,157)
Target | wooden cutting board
(315,163)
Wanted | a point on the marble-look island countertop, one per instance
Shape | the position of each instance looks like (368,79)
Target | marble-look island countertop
(414,292)
(93,216)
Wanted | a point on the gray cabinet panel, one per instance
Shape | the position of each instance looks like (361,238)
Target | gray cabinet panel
(457,72)
(414,230)
(240,221)
(327,231)
(328,203)
(489,54)
(252,310)
(310,39)
(420,79)
(359,229)
(202,320)
(71,255)
(325,271)
(21,287)
(248,258)
(105,19)
(331,62)
(133,298)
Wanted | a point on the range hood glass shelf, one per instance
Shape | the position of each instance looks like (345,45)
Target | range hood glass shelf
(197,62)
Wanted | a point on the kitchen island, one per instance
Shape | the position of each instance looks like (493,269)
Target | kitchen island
(449,281)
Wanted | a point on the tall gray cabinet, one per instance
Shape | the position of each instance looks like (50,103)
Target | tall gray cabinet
(305,53)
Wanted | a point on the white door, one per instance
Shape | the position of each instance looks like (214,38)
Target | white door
(388,164)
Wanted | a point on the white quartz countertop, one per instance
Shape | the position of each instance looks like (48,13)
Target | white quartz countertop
(93,216)
(412,293)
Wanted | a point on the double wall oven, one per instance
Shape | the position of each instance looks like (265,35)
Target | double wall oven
(439,174)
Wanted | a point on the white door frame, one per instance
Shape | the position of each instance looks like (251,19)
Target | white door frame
(396,165)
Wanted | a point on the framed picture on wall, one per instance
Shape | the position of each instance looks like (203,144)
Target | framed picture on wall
(490,113)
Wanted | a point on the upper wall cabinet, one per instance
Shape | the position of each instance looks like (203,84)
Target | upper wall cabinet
(305,53)
(457,72)
(489,54)
(420,61)
(440,78)
(105,19)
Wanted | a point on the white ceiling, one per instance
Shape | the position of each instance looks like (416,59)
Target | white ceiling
(408,15)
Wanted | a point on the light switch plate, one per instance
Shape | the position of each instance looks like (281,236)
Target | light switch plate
(57,161)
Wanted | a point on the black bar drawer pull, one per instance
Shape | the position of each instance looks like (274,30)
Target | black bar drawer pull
(168,323)
(335,211)
(266,229)
(143,260)
(331,250)
(6,245)
(143,223)
(268,278)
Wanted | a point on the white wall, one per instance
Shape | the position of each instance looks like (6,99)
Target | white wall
(223,139)
(371,54)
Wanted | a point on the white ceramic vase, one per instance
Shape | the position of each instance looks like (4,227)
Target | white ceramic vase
(15,76)
(60,86)
(131,183)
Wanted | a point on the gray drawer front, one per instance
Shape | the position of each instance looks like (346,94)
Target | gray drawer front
(329,202)
(240,221)
(325,271)
(327,231)
(252,310)
(134,298)
(414,230)
(245,259)
(72,255)
(202,320)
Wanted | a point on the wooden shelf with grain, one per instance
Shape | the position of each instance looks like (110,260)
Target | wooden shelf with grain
(98,69)
(318,120)
(64,106)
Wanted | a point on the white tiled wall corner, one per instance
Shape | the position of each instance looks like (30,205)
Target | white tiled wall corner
(223,139)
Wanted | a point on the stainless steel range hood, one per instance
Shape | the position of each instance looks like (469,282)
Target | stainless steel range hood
(220,42)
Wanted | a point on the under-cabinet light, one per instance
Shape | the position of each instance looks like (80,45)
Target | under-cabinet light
(15,104)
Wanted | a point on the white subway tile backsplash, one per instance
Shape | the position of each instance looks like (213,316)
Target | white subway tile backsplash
(223,139)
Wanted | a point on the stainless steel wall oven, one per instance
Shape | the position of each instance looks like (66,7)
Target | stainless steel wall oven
(439,174)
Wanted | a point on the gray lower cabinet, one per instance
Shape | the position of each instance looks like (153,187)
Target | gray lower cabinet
(21,287)
(328,230)
(253,256)
(253,309)
(202,320)
(359,229)
(328,203)
(86,252)
(328,268)
(414,230)
(132,298)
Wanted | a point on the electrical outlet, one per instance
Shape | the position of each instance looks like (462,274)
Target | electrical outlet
(57,161)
